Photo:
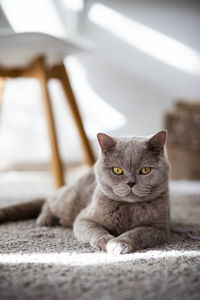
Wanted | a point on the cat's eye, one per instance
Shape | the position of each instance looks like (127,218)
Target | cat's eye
(117,170)
(145,171)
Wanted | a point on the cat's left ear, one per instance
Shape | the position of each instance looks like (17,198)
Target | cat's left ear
(157,142)
(106,142)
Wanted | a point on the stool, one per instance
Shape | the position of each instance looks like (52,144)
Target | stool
(42,72)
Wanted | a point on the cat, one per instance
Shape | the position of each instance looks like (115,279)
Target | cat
(120,205)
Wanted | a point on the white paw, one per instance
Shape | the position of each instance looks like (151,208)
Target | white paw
(116,247)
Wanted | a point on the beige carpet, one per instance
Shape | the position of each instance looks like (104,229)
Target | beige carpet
(48,263)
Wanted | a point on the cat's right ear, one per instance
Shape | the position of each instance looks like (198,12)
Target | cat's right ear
(106,142)
(156,143)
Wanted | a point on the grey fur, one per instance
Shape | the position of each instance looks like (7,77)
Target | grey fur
(107,213)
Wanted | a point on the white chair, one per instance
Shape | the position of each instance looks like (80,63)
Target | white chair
(41,56)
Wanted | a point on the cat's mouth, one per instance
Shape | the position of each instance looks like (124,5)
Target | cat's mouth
(130,193)
(125,194)
(135,191)
(141,192)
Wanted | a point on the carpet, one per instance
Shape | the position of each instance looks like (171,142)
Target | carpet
(48,263)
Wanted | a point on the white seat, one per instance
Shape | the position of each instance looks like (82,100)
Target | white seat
(19,49)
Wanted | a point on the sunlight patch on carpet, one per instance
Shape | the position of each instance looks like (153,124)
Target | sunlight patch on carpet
(85,259)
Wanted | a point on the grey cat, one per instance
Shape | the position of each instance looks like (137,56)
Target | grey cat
(121,205)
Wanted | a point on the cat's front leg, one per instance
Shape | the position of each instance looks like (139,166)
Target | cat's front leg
(87,231)
(135,239)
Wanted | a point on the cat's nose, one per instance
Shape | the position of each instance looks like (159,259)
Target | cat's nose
(131,184)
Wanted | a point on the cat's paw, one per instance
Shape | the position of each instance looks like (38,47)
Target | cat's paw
(102,242)
(46,220)
(115,247)
(41,221)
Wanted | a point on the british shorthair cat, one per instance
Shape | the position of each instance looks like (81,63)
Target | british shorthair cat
(121,205)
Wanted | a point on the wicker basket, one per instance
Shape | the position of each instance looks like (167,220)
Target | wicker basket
(183,144)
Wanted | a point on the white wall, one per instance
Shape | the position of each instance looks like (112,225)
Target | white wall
(137,84)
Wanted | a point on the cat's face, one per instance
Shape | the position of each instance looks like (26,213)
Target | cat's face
(132,169)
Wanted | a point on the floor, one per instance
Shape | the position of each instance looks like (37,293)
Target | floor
(43,263)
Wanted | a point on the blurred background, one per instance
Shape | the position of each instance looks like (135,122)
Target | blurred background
(140,57)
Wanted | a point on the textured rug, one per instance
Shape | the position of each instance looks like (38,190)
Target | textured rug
(48,263)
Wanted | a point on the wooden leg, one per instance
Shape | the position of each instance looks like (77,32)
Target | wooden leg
(41,74)
(2,83)
(63,77)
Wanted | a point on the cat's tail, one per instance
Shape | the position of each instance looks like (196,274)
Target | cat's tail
(21,211)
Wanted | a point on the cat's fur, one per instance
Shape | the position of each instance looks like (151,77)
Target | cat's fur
(103,209)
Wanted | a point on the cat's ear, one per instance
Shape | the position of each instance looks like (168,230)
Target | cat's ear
(106,142)
(157,142)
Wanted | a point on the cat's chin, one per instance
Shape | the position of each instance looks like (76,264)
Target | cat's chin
(131,197)
(135,196)
(117,195)
(121,195)
(128,197)
(132,194)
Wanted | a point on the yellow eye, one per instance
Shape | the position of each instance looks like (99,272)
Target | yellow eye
(145,170)
(117,171)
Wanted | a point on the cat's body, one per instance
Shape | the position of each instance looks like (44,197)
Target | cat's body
(115,207)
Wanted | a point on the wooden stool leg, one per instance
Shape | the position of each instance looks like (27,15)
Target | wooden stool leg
(56,163)
(63,76)
(2,83)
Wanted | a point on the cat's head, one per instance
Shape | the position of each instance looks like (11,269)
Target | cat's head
(132,168)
